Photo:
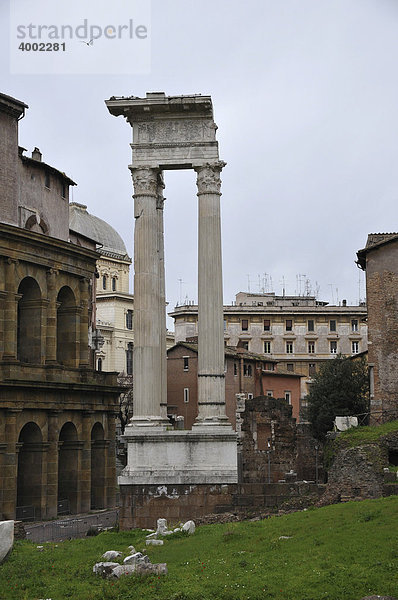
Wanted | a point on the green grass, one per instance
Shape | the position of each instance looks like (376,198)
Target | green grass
(359,435)
(339,552)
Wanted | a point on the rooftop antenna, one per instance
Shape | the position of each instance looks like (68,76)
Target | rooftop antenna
(248,283)
(283,285)
(331,289)
(317,290)
(180,281)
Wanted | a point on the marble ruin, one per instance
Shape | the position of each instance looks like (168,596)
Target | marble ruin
(176,132)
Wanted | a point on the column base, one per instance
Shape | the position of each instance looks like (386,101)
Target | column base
(158,422)
(212,423)
(159,457)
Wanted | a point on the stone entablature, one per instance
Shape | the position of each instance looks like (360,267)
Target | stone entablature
(169,131)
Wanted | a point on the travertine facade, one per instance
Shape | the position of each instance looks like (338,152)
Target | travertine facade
(297,331)
(57,416)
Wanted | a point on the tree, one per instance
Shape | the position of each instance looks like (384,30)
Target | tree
(340,388)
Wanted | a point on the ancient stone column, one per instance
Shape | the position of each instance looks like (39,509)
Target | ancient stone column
(162,300)
(10,311)
(147,302)
(83,327)
(52,463)
(211,376)
(51,327)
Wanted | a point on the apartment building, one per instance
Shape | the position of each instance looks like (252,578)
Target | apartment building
(299,332)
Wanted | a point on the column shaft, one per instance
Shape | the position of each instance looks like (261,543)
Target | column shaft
(147,319)
(83,329)
(211,377)
(162,301)
(51,326)
(10,312)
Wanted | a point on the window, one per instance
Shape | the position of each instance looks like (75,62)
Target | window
(245,324)
(289,347)
(235,369)
(249,396)
(267,347)
(310,325)
(186,395)
(247,370)
(333,347)
(104,282)
(289,325)
(245,345)
(47,179)
(186,359)
(129,319)
(99,364)
(288,396)
(355,347)
(267,325)
(225,325)
(113,284)
(332,325)
(270,393)
(311,347)
(354,325)
(311,369)
(290,367)
(129,359)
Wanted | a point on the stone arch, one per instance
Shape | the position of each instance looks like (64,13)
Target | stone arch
(29,321)
(98,458)
(68,467)
(36,223)
(66,327)
(29,474)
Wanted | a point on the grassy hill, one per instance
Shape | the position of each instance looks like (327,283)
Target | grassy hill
(339,552)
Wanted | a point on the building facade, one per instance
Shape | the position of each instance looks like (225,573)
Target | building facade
(57,415)
(246,374)
(298,332)
(379,259)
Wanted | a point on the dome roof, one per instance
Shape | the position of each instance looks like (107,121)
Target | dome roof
(80,221)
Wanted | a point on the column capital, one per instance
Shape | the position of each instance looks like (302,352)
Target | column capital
(208,177)
(145,181)
(11,261)
(159,191)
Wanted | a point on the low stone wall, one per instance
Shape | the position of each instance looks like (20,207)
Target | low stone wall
(141,506)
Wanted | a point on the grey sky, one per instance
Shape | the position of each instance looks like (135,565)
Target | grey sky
(305,95)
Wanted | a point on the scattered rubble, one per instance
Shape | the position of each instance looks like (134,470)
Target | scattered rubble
(111,555)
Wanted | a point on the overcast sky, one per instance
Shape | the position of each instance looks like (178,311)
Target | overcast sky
(305,96)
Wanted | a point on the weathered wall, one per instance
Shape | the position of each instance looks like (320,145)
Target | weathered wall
(358,472)
(141,506)
(382,299)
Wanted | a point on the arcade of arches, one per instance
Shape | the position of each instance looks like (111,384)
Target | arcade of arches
(57,414)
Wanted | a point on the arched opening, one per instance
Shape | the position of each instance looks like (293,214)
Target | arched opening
(393,457)
(29,322)
(68,467)
(97,467)
(66,327)
(29,472)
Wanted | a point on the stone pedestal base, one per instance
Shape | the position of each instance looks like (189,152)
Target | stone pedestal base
(159,457)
